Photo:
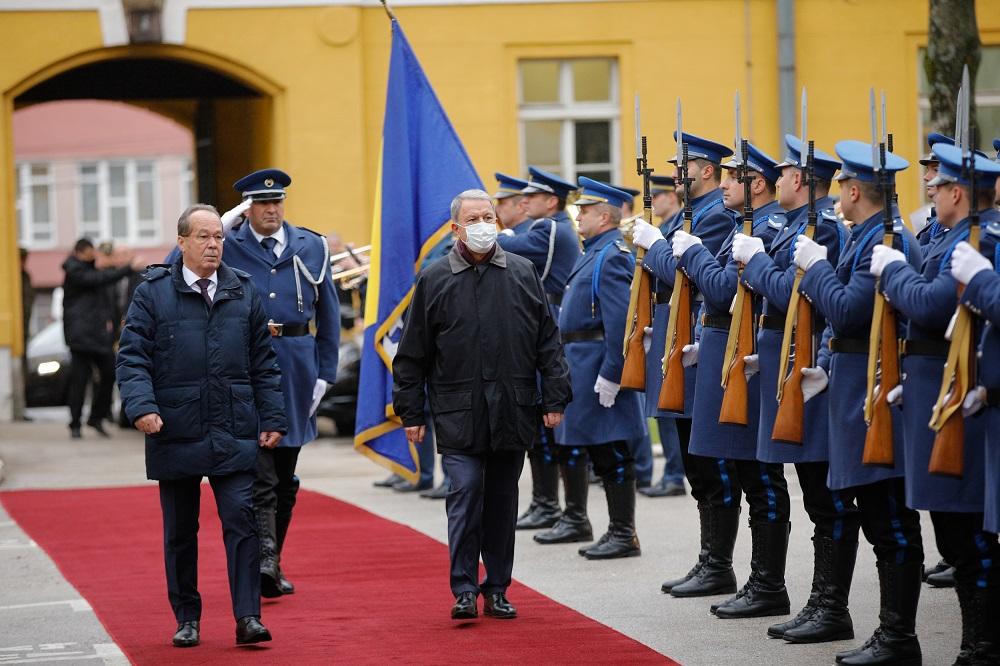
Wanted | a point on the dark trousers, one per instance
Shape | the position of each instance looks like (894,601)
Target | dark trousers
(612,461)
(482,510)
(80,371)
(673,466)
(832,514)
(180,502)
(964,544)
(891,527)
(641,449)
(276,485)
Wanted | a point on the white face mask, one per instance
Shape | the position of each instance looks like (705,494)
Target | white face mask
(481,236)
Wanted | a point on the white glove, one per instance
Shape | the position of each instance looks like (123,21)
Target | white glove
(744,247)
(814,380)
(606,391)
(647,338)
(230,216)
(882,256)
(966,263)
(976,398)
(808,252)
(645,234)
(319,390)
(895,396)
(751,365)
(682,240)
(506,232)
(689,355)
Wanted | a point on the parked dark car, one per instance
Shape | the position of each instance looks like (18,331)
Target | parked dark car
(341,400)
(47,364)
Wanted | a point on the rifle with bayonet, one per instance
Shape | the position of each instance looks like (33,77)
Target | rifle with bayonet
(788,422)
(883,343)
(948,454)
(671,396)
(640,303)
(740,342)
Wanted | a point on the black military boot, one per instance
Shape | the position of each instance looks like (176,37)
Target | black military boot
(985,631)
(765,593)
(966,602)
(268,554)
(895,641)
(282,522)
(830,619)
(703,510)
(544,508)
(716,575)
(620,540)
(573,525)
(778,630)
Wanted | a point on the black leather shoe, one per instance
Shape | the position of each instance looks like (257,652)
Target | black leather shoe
(99,427)
(389,481)
(249,630)
(405,486)
(284,584)
(664,489)
(75,432)
(538,519)
(496,605)
(582,550)
(566,532)
(936,569)
(187,634)
(944,578)
(465,607)
(437,492)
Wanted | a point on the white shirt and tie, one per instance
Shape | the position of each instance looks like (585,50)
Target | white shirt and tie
(192,279)
(278,237)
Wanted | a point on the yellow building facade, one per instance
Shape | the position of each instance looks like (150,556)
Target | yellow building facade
(300,84)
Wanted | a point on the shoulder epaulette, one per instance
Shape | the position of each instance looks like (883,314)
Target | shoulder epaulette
(622,246)
(157,271)
(776,220)
(241,274)
(897,225)
(314,233)
(829,214)
(993,228)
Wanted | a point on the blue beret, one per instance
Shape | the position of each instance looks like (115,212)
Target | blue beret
(543,181)
(597,192)
(950,167)
(758,161)
(509,186)
(825,165)
(263,185)
(699,148)
(858,157)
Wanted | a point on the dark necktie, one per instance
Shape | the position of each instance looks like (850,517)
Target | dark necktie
(203,284)
(269,244)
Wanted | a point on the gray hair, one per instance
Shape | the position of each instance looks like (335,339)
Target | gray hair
(474,195)
(184,221)
(614,213)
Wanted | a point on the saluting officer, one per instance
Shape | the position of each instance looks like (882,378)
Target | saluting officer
(770,273)
(548,241)
(599,421)
(290,267)
(845,296)
(712,223)
(928,298)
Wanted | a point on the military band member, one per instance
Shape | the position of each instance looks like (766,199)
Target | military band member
(928,298)
(845,297)
(599,421)
(548,241)
(771,274)
(712,223)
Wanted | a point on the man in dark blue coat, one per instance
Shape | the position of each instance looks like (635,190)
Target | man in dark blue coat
(198,376)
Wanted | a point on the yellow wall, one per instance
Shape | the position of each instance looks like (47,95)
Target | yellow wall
(322,72)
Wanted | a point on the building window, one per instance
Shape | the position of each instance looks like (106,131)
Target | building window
(187,184)
(35,205)
(119,201)
(568,113)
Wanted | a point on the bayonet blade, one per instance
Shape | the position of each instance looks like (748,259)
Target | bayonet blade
(966,105)
(740,159)
(680,133)
(874,128)
(885,127)
(803,127)
(638,130)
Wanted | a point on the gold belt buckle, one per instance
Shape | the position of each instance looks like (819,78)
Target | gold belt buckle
(274,328)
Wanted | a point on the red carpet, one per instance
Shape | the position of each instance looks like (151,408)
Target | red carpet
(369,590)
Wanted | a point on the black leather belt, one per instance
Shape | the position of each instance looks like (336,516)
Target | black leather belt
(662,297)
(937,348)
(993,397)
(582,336)
(287,330)
(716,321)
(848,346)
(554,299)
(771,322)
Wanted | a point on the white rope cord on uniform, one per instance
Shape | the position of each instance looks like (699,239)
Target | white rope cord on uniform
(300,267)
(552,250)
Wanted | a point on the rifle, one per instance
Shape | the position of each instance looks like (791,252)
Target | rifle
(948,454)
(788,422)
(679,323)
(740,342)
(883,343)
(640,303)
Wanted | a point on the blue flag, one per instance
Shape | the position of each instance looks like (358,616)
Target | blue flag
(422,167)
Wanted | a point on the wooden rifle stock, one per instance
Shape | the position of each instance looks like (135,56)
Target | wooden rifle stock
(878,439)
(672,390)
(634,371)
(788,423)
(734,381)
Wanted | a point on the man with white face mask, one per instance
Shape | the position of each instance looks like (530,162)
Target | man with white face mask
(478,333)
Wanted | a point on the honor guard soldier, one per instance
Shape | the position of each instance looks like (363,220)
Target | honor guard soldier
(713,224)
(512,211)
(928,298)
(550,242)
(845,296)
(290,267)
(599,421)
(930,163)
(770,273)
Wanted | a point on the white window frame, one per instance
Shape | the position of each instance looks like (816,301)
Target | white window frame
(569,111)
(130,201)
(25,205)
(186,183)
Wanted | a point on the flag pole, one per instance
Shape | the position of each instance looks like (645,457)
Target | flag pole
(388,11)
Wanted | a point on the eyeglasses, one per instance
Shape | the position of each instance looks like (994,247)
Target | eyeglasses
(202,239)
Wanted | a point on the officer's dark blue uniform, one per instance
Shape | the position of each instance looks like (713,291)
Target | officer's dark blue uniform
(592,326)
(845,296)
(932,229)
